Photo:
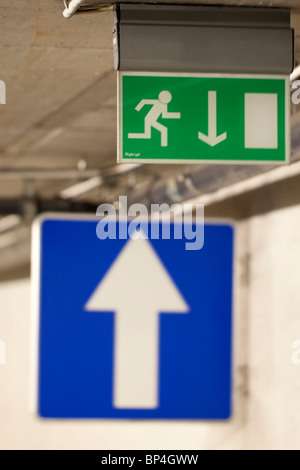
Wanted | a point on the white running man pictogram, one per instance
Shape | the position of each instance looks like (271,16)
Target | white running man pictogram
(159,108)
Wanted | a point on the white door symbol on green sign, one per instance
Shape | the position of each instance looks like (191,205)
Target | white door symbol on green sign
(261,120)
(195,118)
(159,108)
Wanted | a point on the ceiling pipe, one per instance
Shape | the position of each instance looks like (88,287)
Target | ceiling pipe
(67,173)
(71,7)
(46,174)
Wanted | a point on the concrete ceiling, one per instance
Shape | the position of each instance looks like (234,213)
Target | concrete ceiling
(61,99)
(61,95)
(60,89)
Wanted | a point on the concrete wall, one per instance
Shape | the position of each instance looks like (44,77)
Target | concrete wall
(266,382)
(273,407)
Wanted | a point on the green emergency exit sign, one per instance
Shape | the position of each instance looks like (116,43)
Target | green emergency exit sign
(192,118)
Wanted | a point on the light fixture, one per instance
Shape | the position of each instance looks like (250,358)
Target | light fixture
(81,188)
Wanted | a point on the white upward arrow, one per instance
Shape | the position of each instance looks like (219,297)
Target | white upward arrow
(212,139)
(137,287)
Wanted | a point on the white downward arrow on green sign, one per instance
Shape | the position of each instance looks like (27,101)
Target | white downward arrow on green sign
(212,139)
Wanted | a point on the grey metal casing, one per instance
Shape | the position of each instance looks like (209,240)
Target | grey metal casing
(185,38)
